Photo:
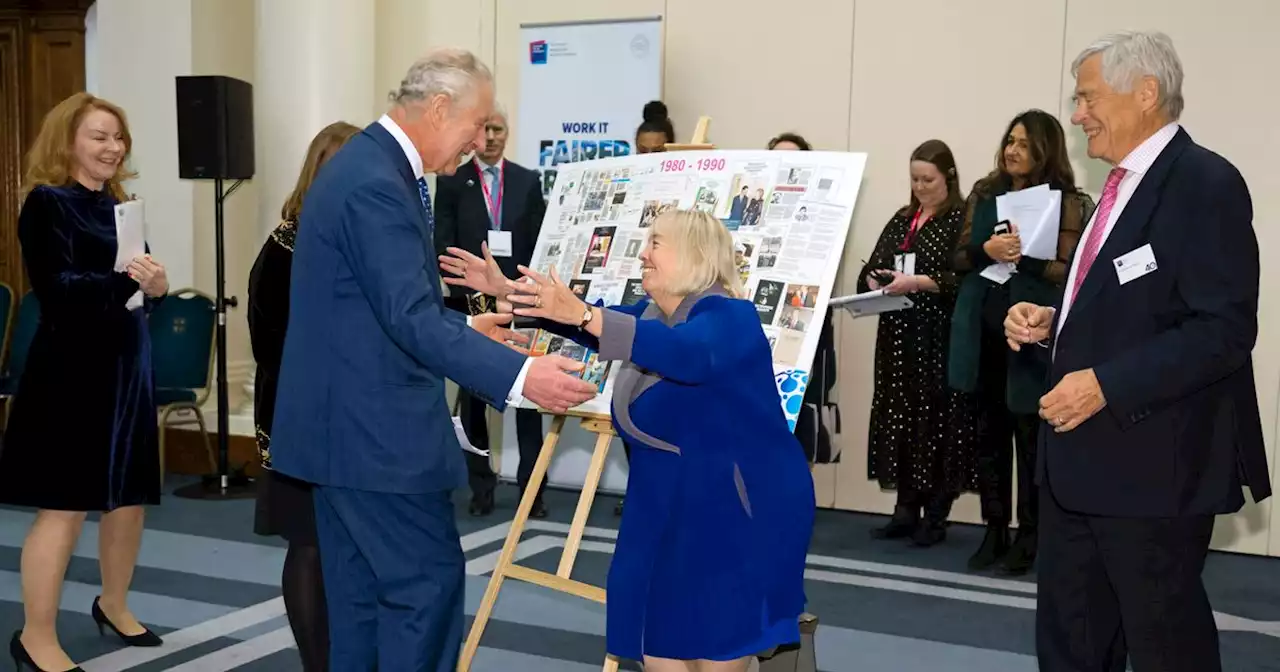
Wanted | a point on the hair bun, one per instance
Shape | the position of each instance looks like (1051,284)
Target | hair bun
(655,111)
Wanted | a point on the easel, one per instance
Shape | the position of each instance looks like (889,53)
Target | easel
(699,139)
(602,427)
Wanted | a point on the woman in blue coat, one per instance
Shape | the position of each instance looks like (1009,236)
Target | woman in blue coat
(709,565)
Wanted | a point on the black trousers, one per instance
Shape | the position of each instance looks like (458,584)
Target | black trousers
(480,474)
(1000,431)
(1114,588)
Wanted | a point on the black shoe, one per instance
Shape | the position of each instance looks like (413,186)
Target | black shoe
(145,638)
(482,504)
(23,659)
(617,508)
(1021,556)
(903,524)
(929,533)
(539,510)
(993,549)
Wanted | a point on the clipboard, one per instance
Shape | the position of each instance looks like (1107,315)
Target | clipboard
(871,303)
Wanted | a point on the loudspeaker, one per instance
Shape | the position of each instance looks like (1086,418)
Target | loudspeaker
(215,128)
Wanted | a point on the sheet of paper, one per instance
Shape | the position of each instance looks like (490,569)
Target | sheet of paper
(998,273)
(1036,213)
(870,303)
(464,441)
(131,241)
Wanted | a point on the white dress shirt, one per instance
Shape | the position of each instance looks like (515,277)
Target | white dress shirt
(415,162)
(1136,165)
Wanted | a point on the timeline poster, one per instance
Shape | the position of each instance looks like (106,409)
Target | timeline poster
(788,212)
(583,87)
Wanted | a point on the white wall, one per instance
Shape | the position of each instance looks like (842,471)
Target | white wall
(140,46)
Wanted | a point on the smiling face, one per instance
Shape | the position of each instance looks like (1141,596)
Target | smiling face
(928,184)
(446,131)
(98,148)
(1018,161)
(1114,122)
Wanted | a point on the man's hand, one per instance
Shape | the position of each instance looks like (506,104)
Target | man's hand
(490,324)
(548,385)
(1027,323)
(1075,399)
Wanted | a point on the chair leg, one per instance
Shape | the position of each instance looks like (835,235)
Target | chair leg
(162,422)
(208,445)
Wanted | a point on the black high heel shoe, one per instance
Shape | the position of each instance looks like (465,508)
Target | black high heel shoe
(145,638)
(23,659)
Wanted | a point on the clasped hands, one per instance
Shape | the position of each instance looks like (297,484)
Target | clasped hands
(1004,247)
(552,382)
(1078,396)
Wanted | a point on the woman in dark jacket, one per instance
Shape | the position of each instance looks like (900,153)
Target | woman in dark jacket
(1009,384)
(284,504)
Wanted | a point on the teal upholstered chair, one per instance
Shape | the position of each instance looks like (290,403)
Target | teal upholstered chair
(17,336)
(182,343)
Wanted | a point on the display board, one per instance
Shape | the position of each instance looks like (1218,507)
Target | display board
(789,213)
(565,114)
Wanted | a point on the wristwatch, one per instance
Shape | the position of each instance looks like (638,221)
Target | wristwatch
(587,314)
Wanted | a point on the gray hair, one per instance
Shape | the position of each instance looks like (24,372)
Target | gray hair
(1130,55)
(450,72)
(500,110)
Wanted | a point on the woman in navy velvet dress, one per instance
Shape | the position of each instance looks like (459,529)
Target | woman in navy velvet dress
(82,436)
(709,565)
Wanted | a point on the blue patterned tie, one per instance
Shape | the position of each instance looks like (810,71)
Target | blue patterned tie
(495,218)
(426,205)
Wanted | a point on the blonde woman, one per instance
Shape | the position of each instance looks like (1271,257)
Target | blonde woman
(92,345)
(715,468)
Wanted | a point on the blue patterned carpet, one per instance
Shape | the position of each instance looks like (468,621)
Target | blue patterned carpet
(212,587)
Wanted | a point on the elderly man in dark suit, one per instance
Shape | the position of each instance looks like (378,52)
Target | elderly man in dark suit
(1151,423)
(492,201)
(367,351)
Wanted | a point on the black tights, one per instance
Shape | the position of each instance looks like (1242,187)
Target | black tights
(305,605)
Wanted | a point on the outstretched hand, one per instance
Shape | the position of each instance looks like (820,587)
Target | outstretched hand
(546,297)
(491,325)
(551,383)
(476,273)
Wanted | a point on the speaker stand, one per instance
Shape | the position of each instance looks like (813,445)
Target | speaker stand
(225,484)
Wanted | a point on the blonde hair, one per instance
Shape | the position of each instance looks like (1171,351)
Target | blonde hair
(50,161)
(704,253)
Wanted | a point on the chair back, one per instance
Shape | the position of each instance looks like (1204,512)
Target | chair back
(6,321)
(24,331)
(182,336)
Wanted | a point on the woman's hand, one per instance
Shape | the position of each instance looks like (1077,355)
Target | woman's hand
(872,282)
(481,275)
(548,297)
(1005,247)
(902,284)
(150,276)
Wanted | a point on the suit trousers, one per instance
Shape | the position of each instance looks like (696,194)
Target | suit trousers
(1112,588)
(480,475)
(393,574)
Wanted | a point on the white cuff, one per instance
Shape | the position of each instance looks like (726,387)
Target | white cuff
(468,320)
(515,396)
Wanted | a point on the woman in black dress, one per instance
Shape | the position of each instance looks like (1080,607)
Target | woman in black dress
(922,432)
(284,504)
(91,356)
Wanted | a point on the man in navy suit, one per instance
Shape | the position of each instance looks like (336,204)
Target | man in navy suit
(362,411)
(1151,423)
(495,202)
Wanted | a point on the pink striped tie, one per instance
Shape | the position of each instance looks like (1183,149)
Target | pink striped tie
(1094,243)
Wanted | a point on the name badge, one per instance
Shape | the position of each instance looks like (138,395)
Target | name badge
(500,243)
(905,263)
(1135,264)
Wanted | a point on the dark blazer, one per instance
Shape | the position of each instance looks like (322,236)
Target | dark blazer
(1181,431)
(462,216)
(369,342)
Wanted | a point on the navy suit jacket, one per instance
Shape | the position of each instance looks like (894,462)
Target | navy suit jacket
(462,217)
(369,342)
(1181,432)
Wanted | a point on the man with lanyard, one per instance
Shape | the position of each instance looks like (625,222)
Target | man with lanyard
(494,201)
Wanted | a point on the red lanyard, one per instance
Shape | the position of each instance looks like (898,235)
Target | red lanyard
(495,207)
(911,233)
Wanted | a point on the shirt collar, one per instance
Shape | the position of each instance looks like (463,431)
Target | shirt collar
(406,145)
(1144,155)
(484,166)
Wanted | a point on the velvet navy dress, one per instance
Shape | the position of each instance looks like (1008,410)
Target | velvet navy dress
(710,557)
(82,435)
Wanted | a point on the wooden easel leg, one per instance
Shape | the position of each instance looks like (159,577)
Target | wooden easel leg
(610,664)
(509,546)
(588,496)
